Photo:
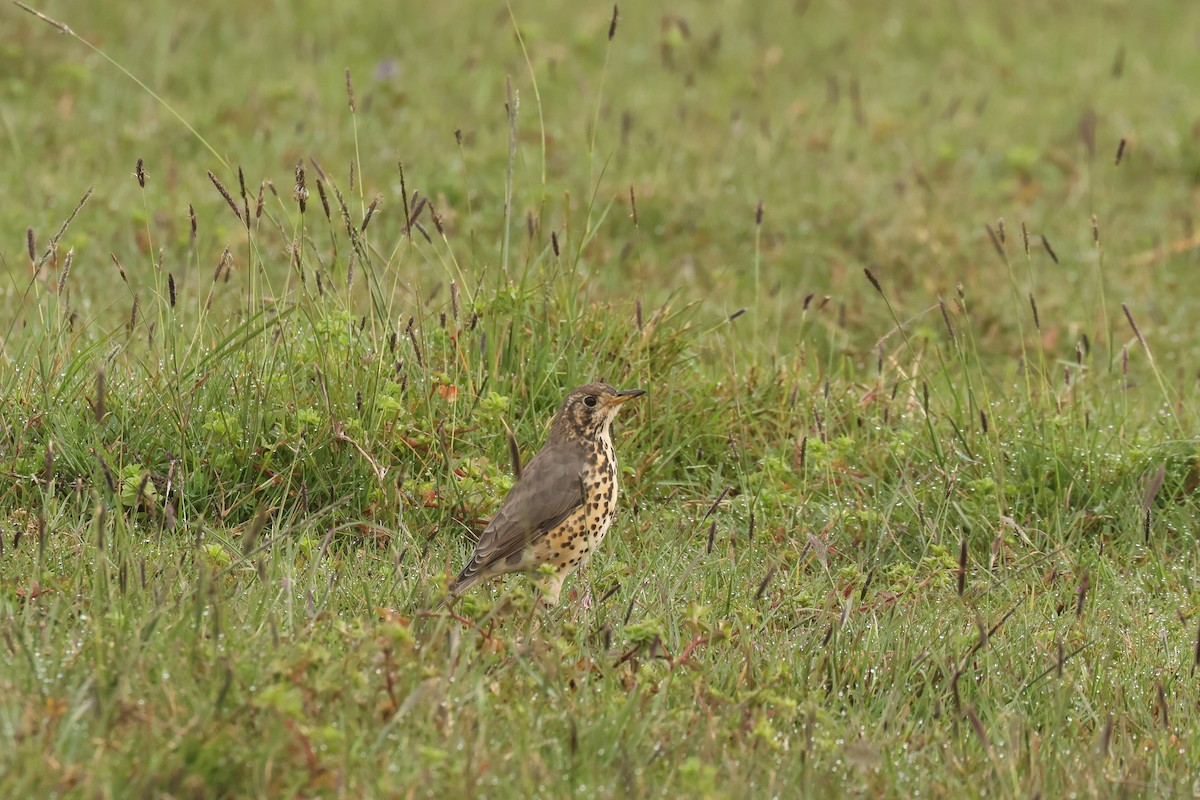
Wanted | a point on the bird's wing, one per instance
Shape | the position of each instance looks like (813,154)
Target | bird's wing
(549,489)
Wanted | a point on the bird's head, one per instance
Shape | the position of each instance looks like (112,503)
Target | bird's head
(588,411)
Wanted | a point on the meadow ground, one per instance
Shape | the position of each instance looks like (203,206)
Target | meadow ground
(909,509)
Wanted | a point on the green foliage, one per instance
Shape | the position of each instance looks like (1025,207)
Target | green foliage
(930,530)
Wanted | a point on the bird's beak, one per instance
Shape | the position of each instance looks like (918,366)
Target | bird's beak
(628,394)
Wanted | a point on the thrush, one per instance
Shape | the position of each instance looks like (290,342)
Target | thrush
(564,501)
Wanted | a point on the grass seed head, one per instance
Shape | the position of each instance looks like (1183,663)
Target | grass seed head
(140,495)
(254,531)
(977,726)
(245,196)
(48,463)
(1196,659)
(109,479)
(962,565)
(1106,734)
(1087,132)
(1049,249)
(437,222)
(228,197)
(766,581)
(66,270)
(324,200)
(370,212)
(300,192)
(120,269)
(997,242)
(716,503)
(514,452)
(403,198)
(51,253)
(874,281)
(945,317)
(1136,332)
(1085,582)
(412,335)
(224,265)
(418,206)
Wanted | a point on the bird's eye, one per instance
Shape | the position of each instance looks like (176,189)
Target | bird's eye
(590,401)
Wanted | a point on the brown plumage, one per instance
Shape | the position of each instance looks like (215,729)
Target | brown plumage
(561,507)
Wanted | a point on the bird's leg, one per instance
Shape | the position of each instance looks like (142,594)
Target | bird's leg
(583,607)
(549,588)
(584,579)
(552,588)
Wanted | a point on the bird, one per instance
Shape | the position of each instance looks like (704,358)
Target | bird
(563,502)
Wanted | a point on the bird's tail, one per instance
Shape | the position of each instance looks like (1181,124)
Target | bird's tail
(469,576)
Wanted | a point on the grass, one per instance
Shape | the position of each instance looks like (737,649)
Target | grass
(910,507)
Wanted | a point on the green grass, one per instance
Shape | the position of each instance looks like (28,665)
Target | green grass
(892,530)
